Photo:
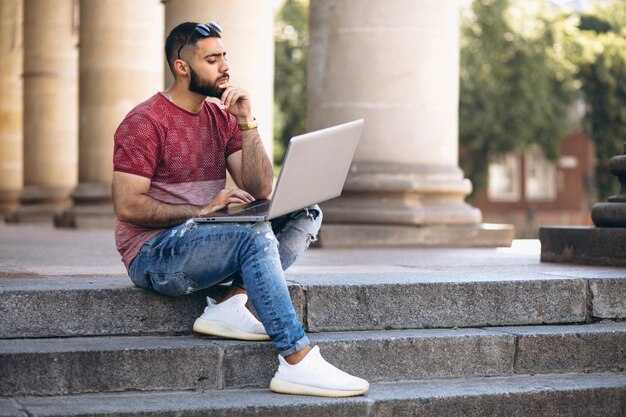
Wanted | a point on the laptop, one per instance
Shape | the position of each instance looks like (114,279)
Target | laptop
(315,168)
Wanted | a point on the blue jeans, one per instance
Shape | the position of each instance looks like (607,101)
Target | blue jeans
(192,257)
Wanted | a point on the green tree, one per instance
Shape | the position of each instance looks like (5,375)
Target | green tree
(290,89)
(601,59)
(516,83)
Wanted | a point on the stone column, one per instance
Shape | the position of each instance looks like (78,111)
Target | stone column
(120,66)
(50,108)
(395,64)
(11,12)
(249,39)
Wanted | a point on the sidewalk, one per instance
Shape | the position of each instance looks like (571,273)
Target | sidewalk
(43,251)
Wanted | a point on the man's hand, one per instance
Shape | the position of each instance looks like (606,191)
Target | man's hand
(226,197)
(236,101)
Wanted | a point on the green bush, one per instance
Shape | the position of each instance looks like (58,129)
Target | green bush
(602,72)
(516,83)
(290,85)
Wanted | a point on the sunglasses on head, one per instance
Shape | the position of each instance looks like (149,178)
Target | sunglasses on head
(202,29)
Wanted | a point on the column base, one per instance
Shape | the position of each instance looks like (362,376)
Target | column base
(400,194)
(378,235)
(584,245)
(90,216)
(39,204)
(9,201)
(398,209)
(92,209)
(36,213)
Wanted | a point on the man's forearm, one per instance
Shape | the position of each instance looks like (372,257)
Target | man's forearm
(256,171)
(144,210)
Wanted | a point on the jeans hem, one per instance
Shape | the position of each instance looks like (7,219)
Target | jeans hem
(299,345)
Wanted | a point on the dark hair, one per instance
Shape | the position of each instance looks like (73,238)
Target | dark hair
(186,34)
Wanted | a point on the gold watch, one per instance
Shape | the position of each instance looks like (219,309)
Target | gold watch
(248,125)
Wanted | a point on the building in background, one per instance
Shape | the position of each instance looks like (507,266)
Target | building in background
(529,191)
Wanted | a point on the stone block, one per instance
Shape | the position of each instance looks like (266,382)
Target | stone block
(572,395)
(583,245)
(372,235)
(229,403)
(518,396)
(367,305)
(78,365)
(101,306)
(85,307)
(382,356)
(608,298)
(298,300)
(396,355)
(556,349)
(248,364)
(10,408)
(65,366)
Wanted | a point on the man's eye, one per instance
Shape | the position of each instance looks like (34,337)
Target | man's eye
(212,62)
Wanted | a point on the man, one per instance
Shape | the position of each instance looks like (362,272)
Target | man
(170,160)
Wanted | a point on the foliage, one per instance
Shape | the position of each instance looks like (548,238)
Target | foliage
(516,83)
(602,72)
(613,13)
(290,85)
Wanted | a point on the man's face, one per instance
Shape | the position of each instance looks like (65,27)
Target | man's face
(208,75)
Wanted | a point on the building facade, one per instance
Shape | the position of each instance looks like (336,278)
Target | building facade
(529,191)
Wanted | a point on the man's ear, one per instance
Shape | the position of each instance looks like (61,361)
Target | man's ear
(180,67)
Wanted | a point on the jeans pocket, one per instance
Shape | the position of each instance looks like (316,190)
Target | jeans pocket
(173,285)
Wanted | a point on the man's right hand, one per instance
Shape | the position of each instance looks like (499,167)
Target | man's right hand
(226,197)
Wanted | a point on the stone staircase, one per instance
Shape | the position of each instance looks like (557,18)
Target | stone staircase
(503,340)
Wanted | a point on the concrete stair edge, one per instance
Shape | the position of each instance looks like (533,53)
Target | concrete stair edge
(91,307)
(95,364)
(575,395)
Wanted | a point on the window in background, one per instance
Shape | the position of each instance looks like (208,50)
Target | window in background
(504,179)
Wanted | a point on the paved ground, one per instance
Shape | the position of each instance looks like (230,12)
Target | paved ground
(36,251)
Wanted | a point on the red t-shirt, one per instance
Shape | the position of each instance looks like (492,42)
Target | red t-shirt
(184,155)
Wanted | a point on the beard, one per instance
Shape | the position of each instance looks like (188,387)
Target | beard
(200,86)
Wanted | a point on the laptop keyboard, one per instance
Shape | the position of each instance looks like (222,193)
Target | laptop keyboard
(254,208)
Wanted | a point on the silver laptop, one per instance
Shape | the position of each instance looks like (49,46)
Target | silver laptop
(314,170)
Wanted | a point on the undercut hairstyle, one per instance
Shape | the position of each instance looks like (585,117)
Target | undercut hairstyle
(183,34)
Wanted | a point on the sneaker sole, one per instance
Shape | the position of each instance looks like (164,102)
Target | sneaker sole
(285,387)
(218,328)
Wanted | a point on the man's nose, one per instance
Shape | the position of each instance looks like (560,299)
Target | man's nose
(225,67)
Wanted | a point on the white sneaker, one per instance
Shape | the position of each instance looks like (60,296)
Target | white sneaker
(314,376)
(230,319)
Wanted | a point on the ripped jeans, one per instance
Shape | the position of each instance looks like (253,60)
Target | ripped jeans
(191,257)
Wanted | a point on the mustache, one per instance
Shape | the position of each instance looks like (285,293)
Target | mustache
(225,76)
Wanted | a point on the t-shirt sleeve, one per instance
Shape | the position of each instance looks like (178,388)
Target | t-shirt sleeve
(234,136)
(136,146)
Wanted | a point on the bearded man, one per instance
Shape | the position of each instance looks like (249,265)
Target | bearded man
(170,160)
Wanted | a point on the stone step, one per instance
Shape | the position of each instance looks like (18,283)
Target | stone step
(151,363)
(335,300)
(572,395)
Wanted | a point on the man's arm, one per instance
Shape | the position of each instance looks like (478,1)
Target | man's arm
(133,204)
(256,170)
(251,168)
